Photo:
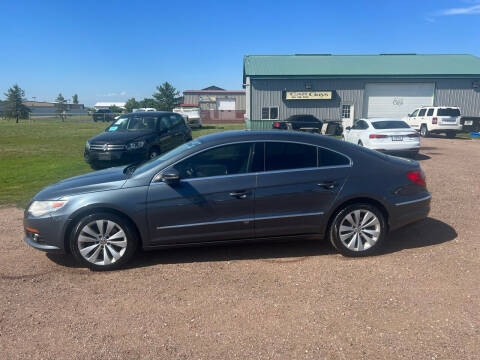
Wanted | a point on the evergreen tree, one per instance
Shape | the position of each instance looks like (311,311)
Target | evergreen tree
(14,106)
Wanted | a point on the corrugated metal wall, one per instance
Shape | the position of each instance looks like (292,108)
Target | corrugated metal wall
(449,92)
(195,98)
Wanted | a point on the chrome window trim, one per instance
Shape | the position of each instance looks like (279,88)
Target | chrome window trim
(245,220)
(260,172)
(414,201)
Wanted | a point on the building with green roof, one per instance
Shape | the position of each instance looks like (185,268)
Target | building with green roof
(348,87)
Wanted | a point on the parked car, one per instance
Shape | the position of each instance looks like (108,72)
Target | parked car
(307,123)
(385,135)
(191,115)
(103,115)
(435,120)
(135,137)
(231,186)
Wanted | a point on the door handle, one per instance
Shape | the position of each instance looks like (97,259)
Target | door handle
(327,184)
(242,194)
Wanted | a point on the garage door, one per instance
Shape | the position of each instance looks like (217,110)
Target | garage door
(396,100)
(225,104)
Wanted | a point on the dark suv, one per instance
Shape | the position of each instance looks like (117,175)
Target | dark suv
(103,115)
(136,137)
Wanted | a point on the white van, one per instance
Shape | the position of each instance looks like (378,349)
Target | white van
(435,119)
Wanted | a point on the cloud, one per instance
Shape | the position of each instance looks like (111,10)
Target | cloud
(469,10)
(114,94)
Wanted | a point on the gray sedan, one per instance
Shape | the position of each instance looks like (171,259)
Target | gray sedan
(231,186)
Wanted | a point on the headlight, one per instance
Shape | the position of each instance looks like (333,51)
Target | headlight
(40,208)
(135,145)
(87,145)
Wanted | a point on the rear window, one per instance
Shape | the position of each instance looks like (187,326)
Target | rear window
(448,112)
(331,158)
(284,156)
(390,124)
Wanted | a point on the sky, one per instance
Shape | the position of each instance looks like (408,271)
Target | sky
(113,50)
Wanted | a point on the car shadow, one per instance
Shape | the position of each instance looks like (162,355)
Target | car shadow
(427,232)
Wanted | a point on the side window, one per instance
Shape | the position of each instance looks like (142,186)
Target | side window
(422,112)
(284,156)
(364,125)
(175,120)
(258,163)
(414,113)
(223,160)
(430,112)
(331,158)
(165,122)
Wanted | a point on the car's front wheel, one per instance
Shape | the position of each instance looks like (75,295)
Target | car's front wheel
(103,241)
(358,230)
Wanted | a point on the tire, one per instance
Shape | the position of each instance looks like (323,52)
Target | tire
(424,131)
(105,251)
(451,134)
(371,236)
(153,153)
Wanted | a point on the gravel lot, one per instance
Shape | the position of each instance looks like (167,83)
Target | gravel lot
(419,299)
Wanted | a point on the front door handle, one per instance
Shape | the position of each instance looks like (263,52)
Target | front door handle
(242,194)
(327,184)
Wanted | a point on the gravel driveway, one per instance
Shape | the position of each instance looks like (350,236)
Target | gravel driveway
(299,300)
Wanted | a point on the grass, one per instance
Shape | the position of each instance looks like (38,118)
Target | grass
(35,154)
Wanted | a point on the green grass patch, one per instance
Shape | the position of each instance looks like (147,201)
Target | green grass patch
(35,154)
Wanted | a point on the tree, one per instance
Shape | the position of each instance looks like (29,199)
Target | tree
(75,99)
(131,104)
(149,103)
(14,106)
(166,96)
(115,109)
(61,106)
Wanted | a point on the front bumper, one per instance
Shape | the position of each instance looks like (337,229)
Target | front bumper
(114,157)
(46,233)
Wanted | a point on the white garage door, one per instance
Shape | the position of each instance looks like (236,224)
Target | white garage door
(396,100)
(225,104)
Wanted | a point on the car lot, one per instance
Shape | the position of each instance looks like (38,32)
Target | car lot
(418,299)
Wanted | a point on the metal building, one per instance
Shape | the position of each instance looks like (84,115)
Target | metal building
(217,104)
(348,87)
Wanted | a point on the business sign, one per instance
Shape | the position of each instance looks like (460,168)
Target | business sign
(308,95)
(208,98)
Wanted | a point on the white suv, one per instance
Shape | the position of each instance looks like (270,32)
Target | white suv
(435,119)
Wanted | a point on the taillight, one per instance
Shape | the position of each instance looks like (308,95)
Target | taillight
(434,120)
(417,177)
(415,135)
(377,136)
(276,124)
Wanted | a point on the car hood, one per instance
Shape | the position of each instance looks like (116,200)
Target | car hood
(118,137)
(102,180)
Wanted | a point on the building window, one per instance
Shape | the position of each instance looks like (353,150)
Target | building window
(269,113)
(346,111)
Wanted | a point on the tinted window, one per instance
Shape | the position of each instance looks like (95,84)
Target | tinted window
(283,156)
(165,122)
(430,112)
(448,112)
(176,120)
(390,124)
(360,125)
(422,112)
(223,160)
(259,157)
(414,113)
(331,158)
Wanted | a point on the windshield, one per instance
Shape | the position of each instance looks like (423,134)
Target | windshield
(167,156)
(390,124)
(448,112)
(134,123)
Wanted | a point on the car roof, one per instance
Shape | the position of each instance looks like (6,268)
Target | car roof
(382,119)
(439,107)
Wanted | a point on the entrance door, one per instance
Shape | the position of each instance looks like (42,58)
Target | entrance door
(347,115)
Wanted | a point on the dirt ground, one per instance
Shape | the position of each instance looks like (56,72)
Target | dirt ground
(419,299)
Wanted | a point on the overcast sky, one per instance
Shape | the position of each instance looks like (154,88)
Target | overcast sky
(114,50)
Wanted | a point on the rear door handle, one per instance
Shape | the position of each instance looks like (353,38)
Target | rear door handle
(327,184)
(242,194)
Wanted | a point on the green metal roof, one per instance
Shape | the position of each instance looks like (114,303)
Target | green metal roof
(361,65)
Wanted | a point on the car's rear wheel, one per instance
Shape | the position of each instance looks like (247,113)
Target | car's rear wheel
(424,131)
(103,241)
(358,230)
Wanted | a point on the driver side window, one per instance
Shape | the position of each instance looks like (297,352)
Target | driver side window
(414,113)
(223,160)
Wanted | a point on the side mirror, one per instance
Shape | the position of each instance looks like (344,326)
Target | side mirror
(171,177)
(348,128)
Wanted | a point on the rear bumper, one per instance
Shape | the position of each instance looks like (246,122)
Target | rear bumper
(446,127)
(409,210)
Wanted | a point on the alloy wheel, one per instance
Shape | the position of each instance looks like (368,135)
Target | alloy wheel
(102,242)
(359,230)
